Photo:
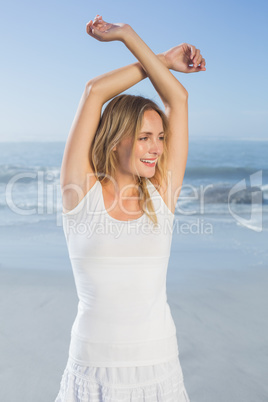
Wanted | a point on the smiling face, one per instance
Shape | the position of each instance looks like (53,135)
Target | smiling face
(147,148)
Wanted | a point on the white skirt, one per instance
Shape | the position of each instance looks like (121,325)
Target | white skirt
(156,383)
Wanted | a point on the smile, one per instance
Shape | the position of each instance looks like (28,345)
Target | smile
(149,162)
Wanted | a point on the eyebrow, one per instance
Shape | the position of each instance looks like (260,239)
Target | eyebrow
(149,133)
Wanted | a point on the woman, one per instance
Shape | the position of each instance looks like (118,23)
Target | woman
(121,177)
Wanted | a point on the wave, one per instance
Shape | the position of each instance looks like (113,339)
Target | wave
(52,173)
(222,172)
(221,194)
(22,174)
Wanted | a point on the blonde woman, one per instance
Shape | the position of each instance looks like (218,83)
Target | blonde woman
(121,177)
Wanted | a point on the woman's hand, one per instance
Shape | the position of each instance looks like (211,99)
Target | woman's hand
(104,31)
(185,58)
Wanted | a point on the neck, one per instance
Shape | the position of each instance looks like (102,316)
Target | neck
(123,185)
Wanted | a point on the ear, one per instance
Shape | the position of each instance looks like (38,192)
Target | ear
(114,149)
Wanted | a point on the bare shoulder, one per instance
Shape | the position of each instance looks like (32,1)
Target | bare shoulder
(76,189)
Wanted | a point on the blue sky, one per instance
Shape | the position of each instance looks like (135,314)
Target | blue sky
(47,58)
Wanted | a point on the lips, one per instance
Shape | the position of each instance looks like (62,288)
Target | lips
(149,162)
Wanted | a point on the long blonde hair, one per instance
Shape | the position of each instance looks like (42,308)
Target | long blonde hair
(123,118)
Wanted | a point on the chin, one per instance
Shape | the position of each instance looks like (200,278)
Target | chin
(147,175)
(145,172)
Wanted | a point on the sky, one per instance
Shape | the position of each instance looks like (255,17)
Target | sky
(47,58)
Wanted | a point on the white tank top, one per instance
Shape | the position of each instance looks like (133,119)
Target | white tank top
(120,270)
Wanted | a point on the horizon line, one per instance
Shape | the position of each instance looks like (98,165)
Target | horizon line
(190,138)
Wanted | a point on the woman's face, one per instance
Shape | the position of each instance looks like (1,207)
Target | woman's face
(147,149)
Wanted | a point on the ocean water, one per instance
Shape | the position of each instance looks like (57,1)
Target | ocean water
(224,180)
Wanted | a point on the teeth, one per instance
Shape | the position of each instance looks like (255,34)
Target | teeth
(144,160)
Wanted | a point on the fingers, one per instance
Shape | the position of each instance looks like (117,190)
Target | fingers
(195,56)
(197,60)
(96,33)
(95,27)
(201,67)
(89,27)
(97,20)
(193,52)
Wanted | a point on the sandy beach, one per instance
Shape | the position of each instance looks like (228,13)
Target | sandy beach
(217,291)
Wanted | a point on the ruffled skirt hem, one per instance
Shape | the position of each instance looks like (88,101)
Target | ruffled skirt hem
(158,383)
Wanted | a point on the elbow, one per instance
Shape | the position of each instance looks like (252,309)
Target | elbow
(183,94)
(179,92)
(181,97)
(90,87)
(96,88)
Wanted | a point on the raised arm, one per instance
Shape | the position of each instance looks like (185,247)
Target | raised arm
(168,87)
(171,91)
(76,166)
(76,172)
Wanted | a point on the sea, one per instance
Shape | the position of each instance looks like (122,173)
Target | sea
(225,179)
(217,271)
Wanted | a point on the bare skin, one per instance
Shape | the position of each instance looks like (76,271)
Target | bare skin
(121,201)
(76,174)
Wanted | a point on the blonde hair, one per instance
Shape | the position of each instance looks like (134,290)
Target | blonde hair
(123,118)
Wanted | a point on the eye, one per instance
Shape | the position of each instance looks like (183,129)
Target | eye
(143,138)
(162,138)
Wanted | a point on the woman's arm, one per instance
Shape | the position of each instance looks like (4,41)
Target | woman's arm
(179,58)
(168,87)
(76,173)
(75,163)
(77,177)
(175,99)
(172,93)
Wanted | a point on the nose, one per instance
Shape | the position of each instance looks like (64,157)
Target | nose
(156,147)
